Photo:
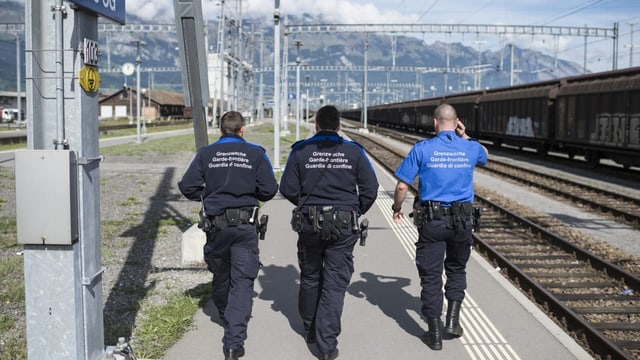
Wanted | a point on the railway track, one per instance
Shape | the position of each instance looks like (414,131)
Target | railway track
(621,207)
(593,299)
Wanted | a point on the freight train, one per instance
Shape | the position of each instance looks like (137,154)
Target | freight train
(595,115)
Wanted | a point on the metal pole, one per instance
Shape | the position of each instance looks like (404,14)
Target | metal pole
(138,95)
(616,38)
(365,96)
(222,25)
(298,43)
(306,118)
(479,71)
(511,70)
(206,56)
(584,67)
(63,282)
(130,105)
(630,48)
(138,62)
(19,90)
(446,74)
(261,90)
(59,14)
(285,87)
(276,86)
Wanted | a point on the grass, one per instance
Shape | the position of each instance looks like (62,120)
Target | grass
(165,146)
(16,146)
(114,133)
(12,301)
(164,324)
(130,201)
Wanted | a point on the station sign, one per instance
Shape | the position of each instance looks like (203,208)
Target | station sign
(90,52)
(111,9)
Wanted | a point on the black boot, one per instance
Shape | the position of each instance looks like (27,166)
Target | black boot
(233,354)
(433,337)
(452,325)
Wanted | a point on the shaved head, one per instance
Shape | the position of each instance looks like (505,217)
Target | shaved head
(446,113)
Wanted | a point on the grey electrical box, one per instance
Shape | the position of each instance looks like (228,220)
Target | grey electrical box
(46,197)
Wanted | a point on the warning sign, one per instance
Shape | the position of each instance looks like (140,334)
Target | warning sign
(89,79)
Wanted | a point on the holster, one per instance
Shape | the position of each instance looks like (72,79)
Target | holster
(296,220)
(261,226)
(460,213)
(419,213)
(477,213)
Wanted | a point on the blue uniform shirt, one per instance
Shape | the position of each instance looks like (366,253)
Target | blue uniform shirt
(230,173)
(444,166)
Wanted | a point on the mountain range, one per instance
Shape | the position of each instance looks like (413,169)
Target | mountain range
(331,50)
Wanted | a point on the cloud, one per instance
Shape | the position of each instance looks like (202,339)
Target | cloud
(158,11)
(335,11)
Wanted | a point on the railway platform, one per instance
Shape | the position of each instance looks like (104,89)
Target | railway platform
(11,136)
(381,318)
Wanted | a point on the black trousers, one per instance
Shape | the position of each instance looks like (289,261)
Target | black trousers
(232,256)
(440,245)
(326,267)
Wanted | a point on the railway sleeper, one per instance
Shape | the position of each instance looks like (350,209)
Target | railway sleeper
(594,297)
(579,285)
(550,266)
(616,326)
(538,257)
(606,310)
(563,275)
(629,344)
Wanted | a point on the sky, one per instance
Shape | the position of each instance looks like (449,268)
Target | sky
(571,13)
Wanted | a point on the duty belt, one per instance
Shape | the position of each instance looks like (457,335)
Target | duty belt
(446,210)
(233,217)
(238,216)
(326,220)
(428,211)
